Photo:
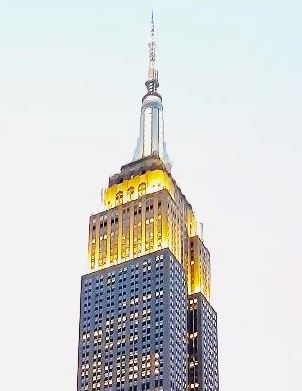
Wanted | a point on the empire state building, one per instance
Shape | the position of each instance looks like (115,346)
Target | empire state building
(146,322)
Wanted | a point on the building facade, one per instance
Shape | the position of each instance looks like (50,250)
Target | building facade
(145,320)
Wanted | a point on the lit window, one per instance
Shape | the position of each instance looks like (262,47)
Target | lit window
(130,193)
(142,189)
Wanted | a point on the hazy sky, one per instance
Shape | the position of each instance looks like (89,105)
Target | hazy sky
(72,77)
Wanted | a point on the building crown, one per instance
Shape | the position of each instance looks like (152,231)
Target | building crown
(151,136)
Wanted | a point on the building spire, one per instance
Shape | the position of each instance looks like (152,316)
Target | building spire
(152,82)
(151,136)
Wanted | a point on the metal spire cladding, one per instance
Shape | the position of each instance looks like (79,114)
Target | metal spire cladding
(152,82)
(151,136)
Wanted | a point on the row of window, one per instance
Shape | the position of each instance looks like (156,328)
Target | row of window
(130,193)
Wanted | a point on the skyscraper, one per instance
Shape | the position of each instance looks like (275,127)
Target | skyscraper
(145,319)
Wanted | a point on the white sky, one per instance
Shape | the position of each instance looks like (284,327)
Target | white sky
(72,77)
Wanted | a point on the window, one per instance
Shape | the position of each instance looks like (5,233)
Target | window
(130,193)
(142,189)
(119,198)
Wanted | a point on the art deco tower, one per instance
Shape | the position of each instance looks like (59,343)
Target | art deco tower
(146,322)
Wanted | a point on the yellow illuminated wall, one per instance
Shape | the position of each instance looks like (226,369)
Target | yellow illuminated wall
(142,215)
(199,270)
(135,188)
